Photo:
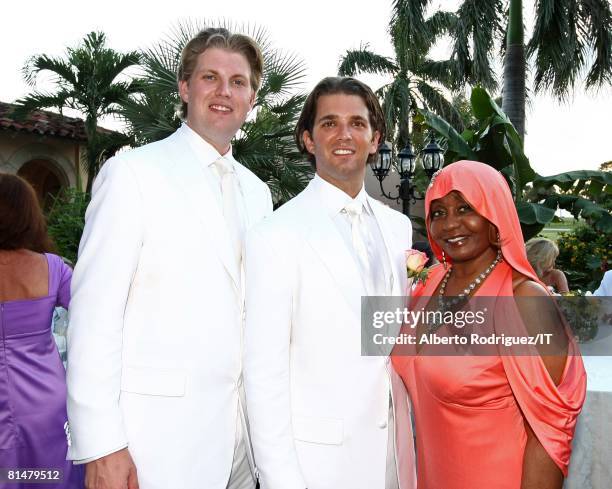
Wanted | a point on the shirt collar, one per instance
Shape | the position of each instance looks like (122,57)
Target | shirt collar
(334,199)
(203,149)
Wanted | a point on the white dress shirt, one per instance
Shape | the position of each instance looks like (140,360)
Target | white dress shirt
(334,200)
(208,155)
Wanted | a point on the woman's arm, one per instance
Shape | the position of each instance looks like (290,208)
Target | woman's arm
(559,281)
(539,470)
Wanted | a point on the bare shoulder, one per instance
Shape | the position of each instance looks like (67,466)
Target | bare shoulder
(22,258)
(23,275)
(523,286)
(556,274)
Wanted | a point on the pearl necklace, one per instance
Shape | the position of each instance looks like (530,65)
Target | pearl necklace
(446,304)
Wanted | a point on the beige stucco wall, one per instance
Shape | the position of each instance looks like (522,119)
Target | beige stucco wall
(16,149)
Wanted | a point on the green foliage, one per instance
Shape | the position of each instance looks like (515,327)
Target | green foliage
(66,220)
(494,141)
(584,255)
(416,79)
(85,80)
(570,38)
(477,29)
(571,42)
(265,143)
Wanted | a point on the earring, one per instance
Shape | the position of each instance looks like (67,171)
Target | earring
(444,260)
(494,240)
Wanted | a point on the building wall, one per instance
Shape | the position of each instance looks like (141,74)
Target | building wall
(58,155)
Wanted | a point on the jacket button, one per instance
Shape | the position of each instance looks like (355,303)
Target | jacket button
(383,424)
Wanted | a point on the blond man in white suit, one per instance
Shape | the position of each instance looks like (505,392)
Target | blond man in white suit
(323,416)
(155,337)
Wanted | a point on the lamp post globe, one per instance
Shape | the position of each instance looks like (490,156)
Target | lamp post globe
(432,157)
(407,162)
(381,165)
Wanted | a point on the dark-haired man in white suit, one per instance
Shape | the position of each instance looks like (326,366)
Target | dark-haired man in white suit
(321,414)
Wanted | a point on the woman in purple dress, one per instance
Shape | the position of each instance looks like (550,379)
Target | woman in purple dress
(33,421)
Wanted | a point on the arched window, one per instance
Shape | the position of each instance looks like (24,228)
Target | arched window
(46,179)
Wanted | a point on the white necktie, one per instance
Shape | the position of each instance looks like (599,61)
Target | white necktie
(231,209)
(354,210)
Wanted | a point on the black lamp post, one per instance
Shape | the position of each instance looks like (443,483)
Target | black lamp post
(432,157)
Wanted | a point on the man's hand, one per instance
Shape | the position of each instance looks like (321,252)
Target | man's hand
(114,471)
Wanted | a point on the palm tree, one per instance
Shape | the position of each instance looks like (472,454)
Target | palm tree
(265,143)
(571,38)
(417,80)
(86,80)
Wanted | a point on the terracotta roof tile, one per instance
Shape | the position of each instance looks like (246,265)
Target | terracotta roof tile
(45,123)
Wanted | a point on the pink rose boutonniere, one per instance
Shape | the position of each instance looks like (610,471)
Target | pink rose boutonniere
(415,265)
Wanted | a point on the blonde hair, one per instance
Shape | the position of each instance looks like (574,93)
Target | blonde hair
(219,37)
(541,253)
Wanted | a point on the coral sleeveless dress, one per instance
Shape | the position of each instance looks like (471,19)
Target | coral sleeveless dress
(470,410)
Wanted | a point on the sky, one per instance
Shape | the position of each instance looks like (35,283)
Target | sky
(560,136)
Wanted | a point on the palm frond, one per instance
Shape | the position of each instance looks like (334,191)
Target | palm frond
(85,80)
(408,30)
(39,101)
(160,65)
(445,72)
(283,74)
(569,38)
(396,104)
(363,60)
(386,94)
(115,95)
(439,24)
(558,49)
(597,18)
(477,28)
(270,152)
(150,116)
(435,101)
(62,70)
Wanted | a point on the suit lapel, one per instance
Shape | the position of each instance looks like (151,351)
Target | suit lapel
(396,260)
(251,213)
(392,252)
(326,241)
(195,183)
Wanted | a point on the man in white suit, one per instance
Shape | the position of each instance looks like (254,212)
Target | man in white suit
(322,416)
(155,336)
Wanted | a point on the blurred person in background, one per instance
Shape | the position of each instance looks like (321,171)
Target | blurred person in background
(542,253)
(34,429)
(605,287)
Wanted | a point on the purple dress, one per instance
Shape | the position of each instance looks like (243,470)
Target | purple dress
(33,421)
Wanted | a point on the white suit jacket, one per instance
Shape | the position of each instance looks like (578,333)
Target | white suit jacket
(318,410)
(154,343)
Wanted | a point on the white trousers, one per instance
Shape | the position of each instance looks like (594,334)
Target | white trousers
(391,481)
(241,476)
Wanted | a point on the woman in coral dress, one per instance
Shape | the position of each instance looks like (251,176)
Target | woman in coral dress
(498,420)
